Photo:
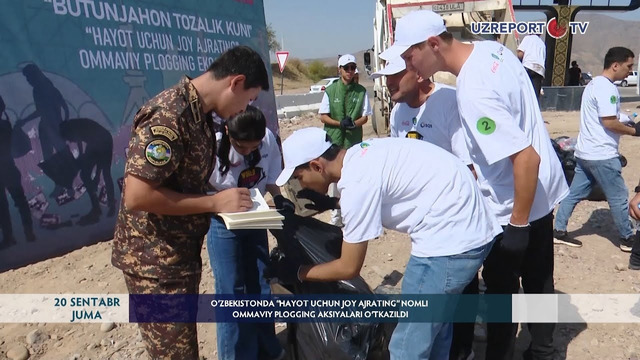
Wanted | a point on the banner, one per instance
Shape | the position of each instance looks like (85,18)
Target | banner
(73,75)
(123,308)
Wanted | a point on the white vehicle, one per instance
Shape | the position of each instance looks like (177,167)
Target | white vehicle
(631,79)
(321,85)
(458,15)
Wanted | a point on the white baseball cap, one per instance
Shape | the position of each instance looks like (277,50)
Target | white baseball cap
(301,147)
(414,28)
(346,59)
(393,67)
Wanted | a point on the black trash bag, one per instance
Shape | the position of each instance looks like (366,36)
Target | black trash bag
(312,241)
(568,161)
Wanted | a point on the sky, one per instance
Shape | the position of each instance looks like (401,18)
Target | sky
(311,29)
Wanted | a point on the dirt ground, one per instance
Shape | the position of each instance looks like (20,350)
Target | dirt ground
(590,269)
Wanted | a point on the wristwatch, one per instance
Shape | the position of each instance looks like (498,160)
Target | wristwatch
(637,189)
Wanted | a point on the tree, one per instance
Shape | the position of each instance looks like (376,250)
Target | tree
(274,45)
(318,70)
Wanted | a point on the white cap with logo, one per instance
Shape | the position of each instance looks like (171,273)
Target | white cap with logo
(301,147)
(414,28)
(392,67)
(346,59)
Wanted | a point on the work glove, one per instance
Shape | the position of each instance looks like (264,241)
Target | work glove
(515,240)
(282,268)
(319,202)
(347,123)
(637,127)
(284,204)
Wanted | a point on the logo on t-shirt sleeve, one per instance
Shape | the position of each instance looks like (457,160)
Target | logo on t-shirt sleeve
(486,126)
(613,99)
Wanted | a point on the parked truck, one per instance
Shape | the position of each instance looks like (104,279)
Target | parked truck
(458,15)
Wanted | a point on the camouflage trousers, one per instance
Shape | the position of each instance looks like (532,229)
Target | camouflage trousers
(167,340)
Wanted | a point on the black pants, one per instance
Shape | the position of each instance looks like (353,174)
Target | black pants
(536,81)
(463,333)
(536,271)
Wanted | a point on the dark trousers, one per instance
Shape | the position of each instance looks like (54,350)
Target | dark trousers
(536,81)
(536,271)
(463,333)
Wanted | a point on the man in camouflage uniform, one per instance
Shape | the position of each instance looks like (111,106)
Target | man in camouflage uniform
(165,210)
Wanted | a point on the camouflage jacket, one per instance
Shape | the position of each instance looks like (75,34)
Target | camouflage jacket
(173,144)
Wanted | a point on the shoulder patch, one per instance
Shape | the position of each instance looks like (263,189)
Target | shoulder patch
(486,126)
(164,131)
(613,99)
(158,152)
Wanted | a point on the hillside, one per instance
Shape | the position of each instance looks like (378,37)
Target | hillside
(296,79)
(603,33)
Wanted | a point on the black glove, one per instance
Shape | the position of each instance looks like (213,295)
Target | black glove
(637,127)
(320,202)
(284,204)
(347,123)
(515,240)
(284,269)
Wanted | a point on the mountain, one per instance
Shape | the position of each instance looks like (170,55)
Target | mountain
(604,32)
(588,50)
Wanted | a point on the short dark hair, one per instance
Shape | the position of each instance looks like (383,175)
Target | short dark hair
(249,125)
(617,54)
(330,154)
(241,60)
(446,36)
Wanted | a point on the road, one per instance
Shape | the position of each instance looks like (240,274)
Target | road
(628,92)
(296,104)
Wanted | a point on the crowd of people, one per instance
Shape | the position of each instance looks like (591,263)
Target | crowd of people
(469,173)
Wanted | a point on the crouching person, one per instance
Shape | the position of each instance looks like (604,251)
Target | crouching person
(432,197)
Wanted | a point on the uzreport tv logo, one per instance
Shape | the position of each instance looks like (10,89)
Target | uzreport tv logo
(554,29)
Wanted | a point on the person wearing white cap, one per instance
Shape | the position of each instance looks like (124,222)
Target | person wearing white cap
(424,110)
(344,110)
(434,198)
(428,111)
(518,170)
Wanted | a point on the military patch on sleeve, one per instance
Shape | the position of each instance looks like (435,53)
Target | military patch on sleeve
(158,152)
(164,131)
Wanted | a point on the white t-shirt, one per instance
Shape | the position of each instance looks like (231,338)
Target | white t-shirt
(240,175)
(436,121)
(433,198)
(501,117)
(599,99)
(535,53)
(324,106)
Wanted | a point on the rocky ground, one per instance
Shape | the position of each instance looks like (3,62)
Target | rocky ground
(598,267)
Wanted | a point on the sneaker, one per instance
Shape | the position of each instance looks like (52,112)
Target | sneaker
(626,244)
(634,266)
(561,237)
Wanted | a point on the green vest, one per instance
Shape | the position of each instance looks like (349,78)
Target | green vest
(345,100)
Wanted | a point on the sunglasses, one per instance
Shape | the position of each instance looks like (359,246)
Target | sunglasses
(349,68)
